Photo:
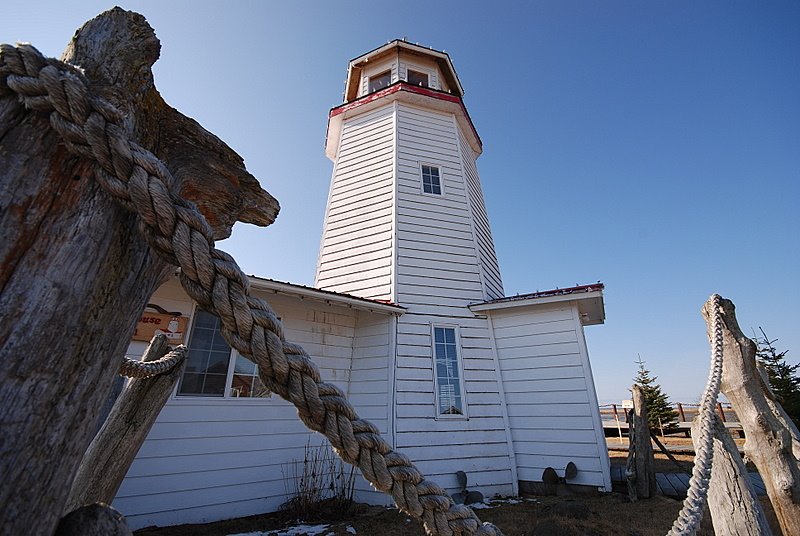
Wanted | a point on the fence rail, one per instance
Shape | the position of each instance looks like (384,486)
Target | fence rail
(615,418)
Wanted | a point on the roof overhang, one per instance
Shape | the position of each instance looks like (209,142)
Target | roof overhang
(406,93)
(332,298)
(392,47)
(589,301)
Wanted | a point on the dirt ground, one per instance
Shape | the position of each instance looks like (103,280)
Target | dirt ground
(600,514)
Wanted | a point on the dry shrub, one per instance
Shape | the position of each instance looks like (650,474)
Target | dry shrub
(320,485)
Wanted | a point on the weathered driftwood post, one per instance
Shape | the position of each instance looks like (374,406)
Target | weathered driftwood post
(769,441)
(75,272)
(732,500)
(645,473)
(115,446)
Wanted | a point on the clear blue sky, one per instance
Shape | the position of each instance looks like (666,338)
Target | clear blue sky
(652,146)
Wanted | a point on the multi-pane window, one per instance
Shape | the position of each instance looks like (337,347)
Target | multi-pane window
(417,78)
(431,182)
(213,369)
(380,81)
(448,382)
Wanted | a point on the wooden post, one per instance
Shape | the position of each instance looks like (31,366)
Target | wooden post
(681,413)
(732,500)
(75,273)
(768,441)
(113,449)
(645,474)
(721,412)
(630,465)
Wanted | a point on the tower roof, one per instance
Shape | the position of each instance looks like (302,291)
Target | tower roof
(393,47)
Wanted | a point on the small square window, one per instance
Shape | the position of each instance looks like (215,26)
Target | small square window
(380,81)
(431,182)
(417,78)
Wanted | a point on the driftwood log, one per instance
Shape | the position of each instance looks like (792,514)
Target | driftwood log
(113,449)
(645,471)
(93,520)
(75,273)
(732,500)
(769,441)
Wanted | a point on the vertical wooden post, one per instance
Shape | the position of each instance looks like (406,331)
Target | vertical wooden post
(768,440)
(681,413)
(731,498)
(113,449)
(721,411)
(645,473)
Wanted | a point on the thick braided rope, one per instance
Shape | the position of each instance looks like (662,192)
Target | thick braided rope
(91,127)
(131,368)
(692,512)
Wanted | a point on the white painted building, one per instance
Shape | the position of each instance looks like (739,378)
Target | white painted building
(407,317)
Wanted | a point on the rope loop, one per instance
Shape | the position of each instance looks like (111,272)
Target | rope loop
(93,128)
(131,368)
(692,512)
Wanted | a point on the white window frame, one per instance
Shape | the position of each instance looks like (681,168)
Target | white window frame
(460,365)
(441,179)
(432,74)
(228,378)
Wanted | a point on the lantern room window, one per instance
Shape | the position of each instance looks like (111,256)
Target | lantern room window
(417,78)
(380,81)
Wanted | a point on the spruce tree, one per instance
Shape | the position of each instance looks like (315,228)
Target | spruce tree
(660,414)
(783,377)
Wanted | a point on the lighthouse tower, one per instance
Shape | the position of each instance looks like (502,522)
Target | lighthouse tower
(406,223)
(405,216)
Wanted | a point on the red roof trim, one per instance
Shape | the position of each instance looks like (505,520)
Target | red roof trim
(550,293)
(404,86)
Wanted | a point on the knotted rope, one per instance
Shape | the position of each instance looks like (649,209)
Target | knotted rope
(692,512)
(131,368)
(92,128)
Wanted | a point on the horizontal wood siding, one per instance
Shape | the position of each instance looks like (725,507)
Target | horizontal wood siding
(438,275)
(480,218)
(208,458)
(356,252)
(551,406)
(369,388)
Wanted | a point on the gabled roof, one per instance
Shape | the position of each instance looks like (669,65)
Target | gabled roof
(589,298)
(346,300)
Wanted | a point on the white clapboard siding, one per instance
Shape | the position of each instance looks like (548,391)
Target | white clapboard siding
(438,275)
(483,232)
(210,458)
(359,219)
(552,406)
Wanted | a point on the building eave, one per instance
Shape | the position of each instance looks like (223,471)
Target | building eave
(333,298)
(403,92)
(588,298)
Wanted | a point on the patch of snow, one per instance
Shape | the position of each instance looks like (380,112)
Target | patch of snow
(351,530)
(297,530)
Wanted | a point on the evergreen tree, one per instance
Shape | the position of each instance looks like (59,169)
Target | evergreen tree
(660,414)
(783,377)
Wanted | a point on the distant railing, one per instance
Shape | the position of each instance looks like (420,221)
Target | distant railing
(614,417)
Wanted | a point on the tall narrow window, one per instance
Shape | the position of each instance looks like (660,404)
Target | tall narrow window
(210,361)
(448,382)
(431,182)
(380,81)
(417,78)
